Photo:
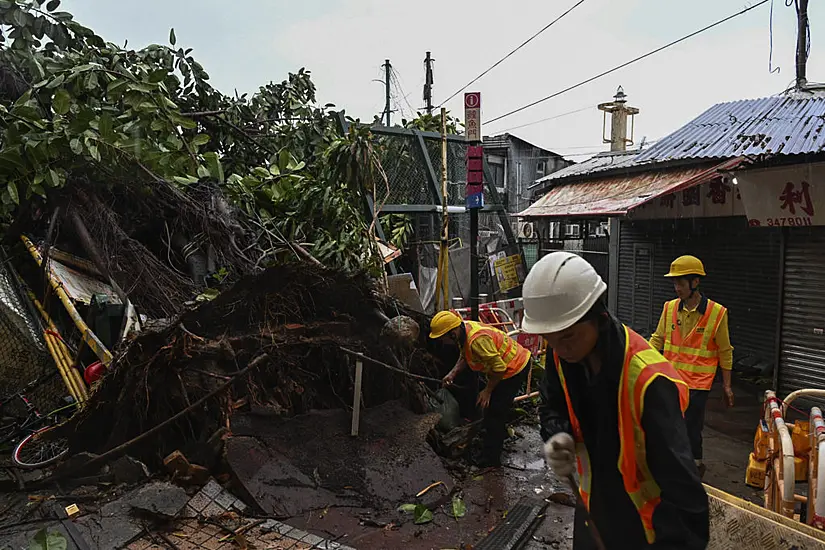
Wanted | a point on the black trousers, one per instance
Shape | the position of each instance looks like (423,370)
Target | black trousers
(495,417)
(695,420)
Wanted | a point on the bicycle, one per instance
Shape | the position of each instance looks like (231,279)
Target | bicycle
(33,450)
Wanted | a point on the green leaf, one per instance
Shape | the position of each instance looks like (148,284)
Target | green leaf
(38,190)
(116,85)
(214,164)
(203,172)
(408,508)
(53,178)
(12,187)
(48,541)
(56,82)
(105,125)
(94,153)
(274,170)
(61,102)
(172,38)
(158,76)
(422,515)
(53,5)
(200,139)
(18,16)
(459,508)
(208,295)
(283,160)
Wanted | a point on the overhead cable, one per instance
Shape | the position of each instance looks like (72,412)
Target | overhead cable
(632,61)
(500,61)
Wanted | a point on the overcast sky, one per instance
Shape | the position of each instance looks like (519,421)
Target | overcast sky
(246,43)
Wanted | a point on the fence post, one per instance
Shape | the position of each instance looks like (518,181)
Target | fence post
(356,400)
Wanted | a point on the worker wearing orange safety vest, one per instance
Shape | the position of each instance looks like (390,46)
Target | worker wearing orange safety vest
(486,350)
(693,335)
(612,410)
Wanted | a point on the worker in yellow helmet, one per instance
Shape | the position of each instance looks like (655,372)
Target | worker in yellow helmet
(693,335)
(486,350)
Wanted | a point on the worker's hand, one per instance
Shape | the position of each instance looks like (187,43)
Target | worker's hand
(729,396)
(560,454)
(483,400)
(449,379)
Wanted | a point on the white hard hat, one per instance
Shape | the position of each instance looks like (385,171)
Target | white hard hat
(559,290)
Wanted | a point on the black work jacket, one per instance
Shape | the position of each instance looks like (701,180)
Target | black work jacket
(681,519)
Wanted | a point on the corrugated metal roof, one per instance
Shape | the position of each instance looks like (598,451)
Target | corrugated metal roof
(602,162)
(780,125)
(617,195)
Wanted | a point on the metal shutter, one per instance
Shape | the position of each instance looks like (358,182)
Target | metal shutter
(743,266)
(802,357)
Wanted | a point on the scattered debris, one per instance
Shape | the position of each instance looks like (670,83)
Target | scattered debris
(163,372)
(129,470)
(161,498)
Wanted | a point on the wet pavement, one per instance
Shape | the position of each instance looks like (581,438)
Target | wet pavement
(331,486)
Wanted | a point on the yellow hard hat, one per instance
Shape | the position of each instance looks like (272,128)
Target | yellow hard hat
(444,322)
(684,266)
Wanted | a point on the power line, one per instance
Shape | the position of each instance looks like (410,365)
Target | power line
(589,107)
(632,61)
(500,61)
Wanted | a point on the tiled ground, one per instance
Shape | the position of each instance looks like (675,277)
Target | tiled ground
(190,534)
(212,515)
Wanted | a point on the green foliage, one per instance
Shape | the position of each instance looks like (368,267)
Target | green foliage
(432,123)
(95,112)
(400,228)
(48,541)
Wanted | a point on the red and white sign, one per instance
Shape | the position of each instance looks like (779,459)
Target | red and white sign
(472,100)
(784,197)
(472,116)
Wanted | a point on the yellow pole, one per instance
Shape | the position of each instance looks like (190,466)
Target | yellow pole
(86,333)
(60,354)
(442,288)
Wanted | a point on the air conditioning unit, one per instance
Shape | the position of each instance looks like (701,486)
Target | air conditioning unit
(526,230)
(572,230)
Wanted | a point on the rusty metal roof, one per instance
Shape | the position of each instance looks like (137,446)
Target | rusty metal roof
(603,162)
(615,196)
(779,125)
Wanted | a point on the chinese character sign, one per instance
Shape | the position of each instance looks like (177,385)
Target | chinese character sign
(718,191)
(784,197)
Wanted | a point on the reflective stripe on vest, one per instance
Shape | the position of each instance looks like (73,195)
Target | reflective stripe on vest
(642,365)
(695,356)
(515,356)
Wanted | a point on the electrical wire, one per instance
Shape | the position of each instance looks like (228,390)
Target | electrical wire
(500,61)
(632,61)
(589,107)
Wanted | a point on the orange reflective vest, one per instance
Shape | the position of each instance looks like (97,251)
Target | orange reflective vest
(515,356)
(695,356)
(642,365)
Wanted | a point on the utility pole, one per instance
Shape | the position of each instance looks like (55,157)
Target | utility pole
(428,83)
(802,44)
(387,75)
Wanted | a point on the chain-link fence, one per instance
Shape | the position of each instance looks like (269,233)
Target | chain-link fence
(23,354)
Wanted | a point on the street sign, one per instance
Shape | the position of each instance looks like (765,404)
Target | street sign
(474,192)
(472,116)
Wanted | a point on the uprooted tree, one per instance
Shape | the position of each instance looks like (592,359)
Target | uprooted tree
(140,144)
(178,187)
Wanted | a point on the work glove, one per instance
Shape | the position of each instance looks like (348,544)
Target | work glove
(560,454)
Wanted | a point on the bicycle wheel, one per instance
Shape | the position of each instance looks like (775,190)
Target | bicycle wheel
(34,452)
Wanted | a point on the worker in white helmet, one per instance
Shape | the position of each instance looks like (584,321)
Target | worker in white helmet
(612,409)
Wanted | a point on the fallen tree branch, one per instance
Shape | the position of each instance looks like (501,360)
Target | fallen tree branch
(378,363)
(120,449)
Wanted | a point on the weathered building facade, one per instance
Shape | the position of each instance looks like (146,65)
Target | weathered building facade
(515,164)
(740,187)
